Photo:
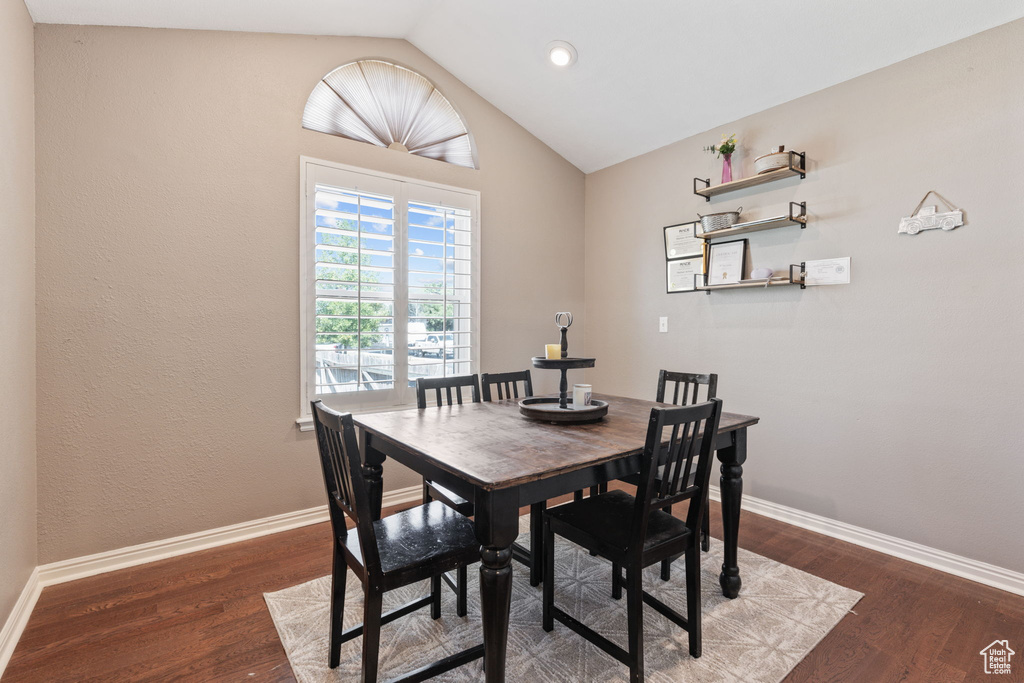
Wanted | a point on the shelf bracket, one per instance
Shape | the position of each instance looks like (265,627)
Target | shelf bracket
(803,274)
(801,217)
(803,163)
(707,184)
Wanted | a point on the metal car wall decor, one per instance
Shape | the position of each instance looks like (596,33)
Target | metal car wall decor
(926,218)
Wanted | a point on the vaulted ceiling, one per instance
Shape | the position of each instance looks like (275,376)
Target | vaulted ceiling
(649,72)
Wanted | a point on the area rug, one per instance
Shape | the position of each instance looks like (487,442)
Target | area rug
(780,615)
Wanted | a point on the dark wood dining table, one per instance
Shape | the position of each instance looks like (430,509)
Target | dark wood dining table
(490,454)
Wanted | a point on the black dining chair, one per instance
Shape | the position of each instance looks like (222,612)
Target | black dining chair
(690,385)
(636,532)
(506,386)
(685,391)
(443,387)
(410,546)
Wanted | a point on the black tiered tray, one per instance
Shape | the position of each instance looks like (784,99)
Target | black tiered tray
(548,409)
(560,409)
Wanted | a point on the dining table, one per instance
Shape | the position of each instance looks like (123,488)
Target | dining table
(501,460)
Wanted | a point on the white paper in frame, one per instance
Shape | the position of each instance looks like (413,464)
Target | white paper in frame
(680,241)
(727,262)
(682,274)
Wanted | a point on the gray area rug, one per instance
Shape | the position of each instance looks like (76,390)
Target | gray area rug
(780,615)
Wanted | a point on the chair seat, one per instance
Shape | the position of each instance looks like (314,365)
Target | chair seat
(424,540)
(602,523)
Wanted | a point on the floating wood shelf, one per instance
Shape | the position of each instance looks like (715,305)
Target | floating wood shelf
(796,278)
(748,284)
(797,166)
(763,224)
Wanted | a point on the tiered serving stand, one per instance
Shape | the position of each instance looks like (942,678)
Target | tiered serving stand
(561,409)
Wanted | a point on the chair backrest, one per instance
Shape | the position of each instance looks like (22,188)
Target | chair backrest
(507,384)
(688,448)
(687,384)
(425,384)
(343,479)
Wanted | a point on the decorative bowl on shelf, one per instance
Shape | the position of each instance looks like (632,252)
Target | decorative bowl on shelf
(767,163)
(710,222)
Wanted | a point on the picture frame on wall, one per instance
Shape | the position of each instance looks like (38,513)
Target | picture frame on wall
(683,275)
(727,262)
(681,241)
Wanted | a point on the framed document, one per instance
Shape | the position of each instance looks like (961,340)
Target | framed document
(727,262)
(681,275)
(681,243)
(830,271)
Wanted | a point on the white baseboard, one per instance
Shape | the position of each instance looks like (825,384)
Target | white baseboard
(112,560)
(18,619)
(964,567)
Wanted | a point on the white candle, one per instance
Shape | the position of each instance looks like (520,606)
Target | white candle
(581,394)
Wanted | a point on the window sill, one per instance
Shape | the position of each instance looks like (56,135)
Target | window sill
(305,422)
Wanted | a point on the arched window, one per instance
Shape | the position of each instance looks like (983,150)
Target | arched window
(390,106)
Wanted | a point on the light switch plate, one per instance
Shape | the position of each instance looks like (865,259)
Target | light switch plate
(663,324)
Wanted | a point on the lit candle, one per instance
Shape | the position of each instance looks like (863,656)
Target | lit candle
(553,351)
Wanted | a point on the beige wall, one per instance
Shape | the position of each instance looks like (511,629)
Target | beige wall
(168,176)
(892,403)
(17,306)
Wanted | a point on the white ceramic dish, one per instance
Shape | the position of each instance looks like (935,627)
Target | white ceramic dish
(771,162)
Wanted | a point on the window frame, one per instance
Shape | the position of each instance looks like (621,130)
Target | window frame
(403,189)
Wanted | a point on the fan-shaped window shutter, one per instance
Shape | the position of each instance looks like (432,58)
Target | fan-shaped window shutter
(389,106)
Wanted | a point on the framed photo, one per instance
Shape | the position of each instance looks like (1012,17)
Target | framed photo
(727,262)
(681,243)
(682,275)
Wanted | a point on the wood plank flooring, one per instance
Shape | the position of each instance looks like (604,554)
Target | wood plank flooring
(201,617)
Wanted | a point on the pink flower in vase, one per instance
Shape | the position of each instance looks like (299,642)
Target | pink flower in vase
(725,149)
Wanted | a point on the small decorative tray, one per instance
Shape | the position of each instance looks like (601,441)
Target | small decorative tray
(545,409)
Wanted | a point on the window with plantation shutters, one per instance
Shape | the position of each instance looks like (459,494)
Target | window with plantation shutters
(390,285)
(354,253)
(440,290)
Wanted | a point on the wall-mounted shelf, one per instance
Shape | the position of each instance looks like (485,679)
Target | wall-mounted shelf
(763,224)
(793,279)
(797,166)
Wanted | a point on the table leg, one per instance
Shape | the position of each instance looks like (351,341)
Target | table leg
(497,525)
(373,473)
(731,483)
(537,542)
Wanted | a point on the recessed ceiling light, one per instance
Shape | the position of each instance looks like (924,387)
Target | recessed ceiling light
(561,53)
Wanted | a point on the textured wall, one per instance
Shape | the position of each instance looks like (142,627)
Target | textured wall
(168,175)
(17,306)
(892,403)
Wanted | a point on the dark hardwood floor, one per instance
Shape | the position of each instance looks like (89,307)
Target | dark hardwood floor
(201,617)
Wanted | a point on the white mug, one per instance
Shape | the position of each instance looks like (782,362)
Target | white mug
(581,395)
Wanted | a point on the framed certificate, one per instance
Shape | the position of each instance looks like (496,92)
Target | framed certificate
(681,243)
(727,262)
(831,271)
(682,274)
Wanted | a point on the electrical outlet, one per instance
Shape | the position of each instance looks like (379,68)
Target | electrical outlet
(663,324)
